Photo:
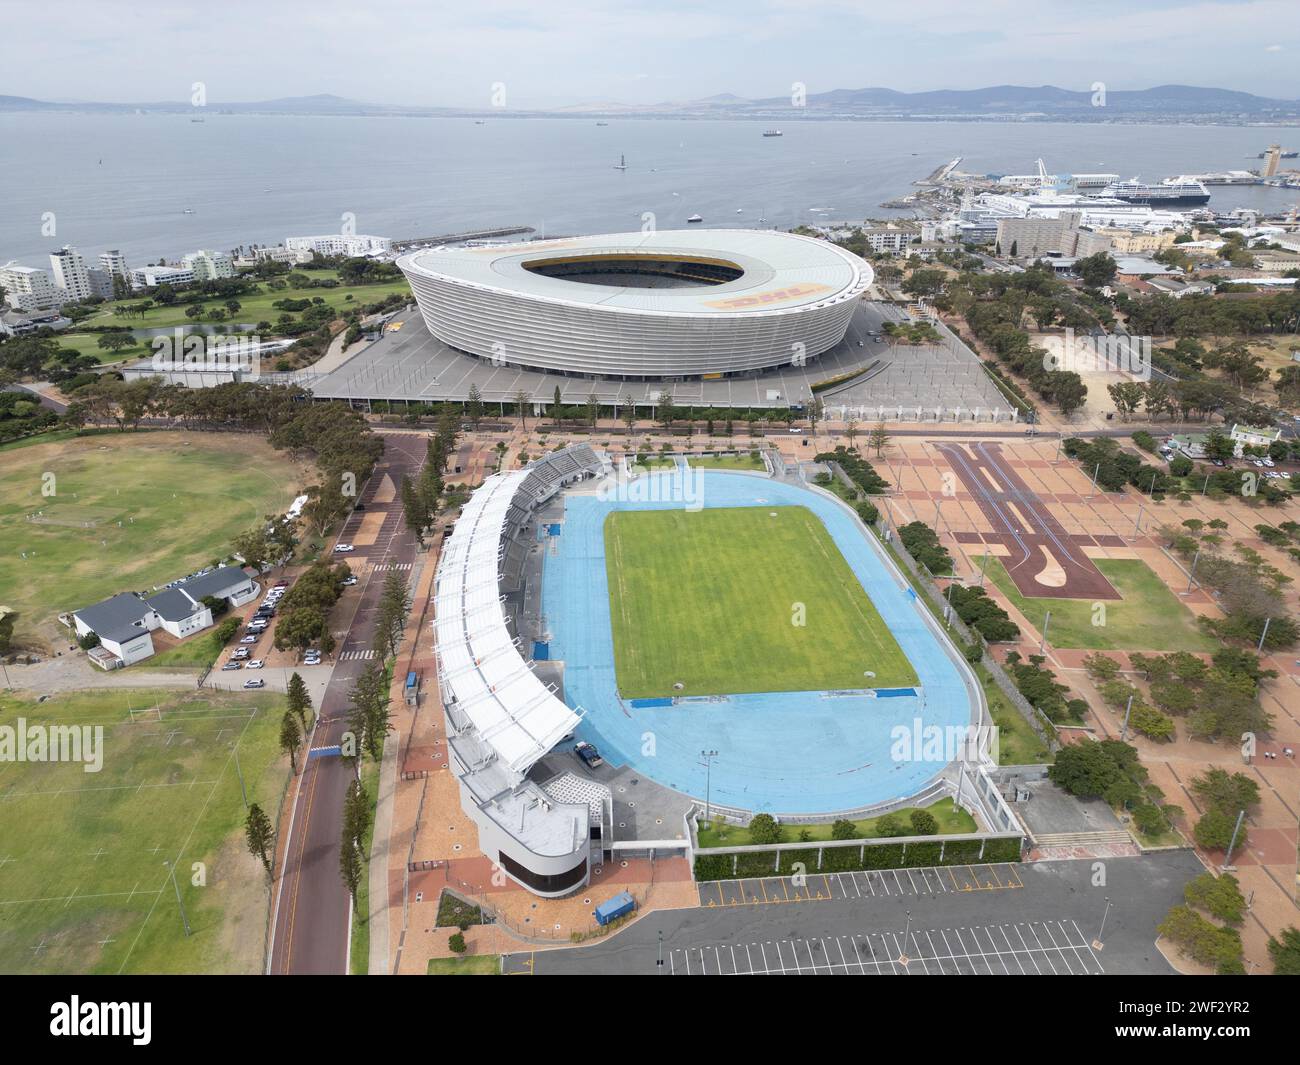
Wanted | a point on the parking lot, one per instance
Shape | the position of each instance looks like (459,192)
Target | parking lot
(874,883)
(1029,948)
(1036,919)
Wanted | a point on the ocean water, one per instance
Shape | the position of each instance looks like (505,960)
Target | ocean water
(126,181)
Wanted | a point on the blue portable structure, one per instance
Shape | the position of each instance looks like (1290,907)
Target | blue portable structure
(612,909)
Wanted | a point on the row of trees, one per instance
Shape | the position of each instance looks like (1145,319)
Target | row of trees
(305,608)
(1248,589)
(422,497)
(1219,700)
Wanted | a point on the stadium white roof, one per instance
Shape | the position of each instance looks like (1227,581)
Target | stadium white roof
(511,709)
(781,271)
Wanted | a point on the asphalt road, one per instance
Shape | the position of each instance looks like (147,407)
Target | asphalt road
(312,906)
(1039,920)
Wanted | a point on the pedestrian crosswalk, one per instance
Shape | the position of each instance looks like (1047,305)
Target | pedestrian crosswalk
(356,656)
(381,567)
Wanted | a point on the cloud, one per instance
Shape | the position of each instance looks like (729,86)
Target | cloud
(439,52)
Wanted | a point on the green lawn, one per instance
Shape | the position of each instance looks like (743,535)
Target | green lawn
(1149,617)
(88,344)
(744,599)
(726,462)
(198,651)
(951,818)
(84,888)
(470,965)
(254,307)
(128,511)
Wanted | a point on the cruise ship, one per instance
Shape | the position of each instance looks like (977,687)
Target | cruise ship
(1169,193)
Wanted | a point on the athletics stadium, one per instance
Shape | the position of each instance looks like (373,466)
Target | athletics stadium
(661,616)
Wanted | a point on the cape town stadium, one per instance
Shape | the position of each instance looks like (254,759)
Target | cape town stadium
(671,304)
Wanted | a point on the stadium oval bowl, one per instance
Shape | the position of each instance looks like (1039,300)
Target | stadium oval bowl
(674,303)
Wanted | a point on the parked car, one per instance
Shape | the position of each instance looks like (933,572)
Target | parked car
(342,549)
(587,752)
(255,682)
(282,584)
(348,582)
(231,665)
(249,639)
(239,653)
(256,663)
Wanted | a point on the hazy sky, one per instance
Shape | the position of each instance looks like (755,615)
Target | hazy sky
(555,52)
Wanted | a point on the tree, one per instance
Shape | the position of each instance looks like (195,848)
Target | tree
(253,548)
(368,713)
(1068,390)
(356,815)
(1285,952)
(1218,445)
(1214,831)
(394,606)
(1126,395)
(1228,792)
(629,413)
(115,341)
(415,509)
(763,829)
(878,438)
(851,429)
(666,410)
(556,409)
(1096,270)
(350,865)
(290,738)
(474,405)
(593,409)
(1086,770)
(923,823)
(259,835)
(890,825)
(522,402)
(299,699)
(1219,896)
(456,943)
(843,829)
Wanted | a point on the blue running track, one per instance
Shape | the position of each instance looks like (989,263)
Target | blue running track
(780,752)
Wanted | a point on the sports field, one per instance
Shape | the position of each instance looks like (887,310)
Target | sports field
(128,511)
(83,887)
(1147,617)
(740,599)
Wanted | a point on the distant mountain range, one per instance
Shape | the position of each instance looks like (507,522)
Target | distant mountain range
(998,102)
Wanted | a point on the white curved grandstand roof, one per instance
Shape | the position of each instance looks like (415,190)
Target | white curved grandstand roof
(481,667)
(779,271)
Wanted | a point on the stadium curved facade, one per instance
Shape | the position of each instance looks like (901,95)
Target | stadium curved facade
(677,303)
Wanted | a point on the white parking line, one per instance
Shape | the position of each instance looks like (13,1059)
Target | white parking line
(966,950)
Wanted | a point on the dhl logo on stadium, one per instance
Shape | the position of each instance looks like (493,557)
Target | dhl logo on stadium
(767,299)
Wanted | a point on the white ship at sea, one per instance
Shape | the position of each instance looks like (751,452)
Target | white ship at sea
(1172,192)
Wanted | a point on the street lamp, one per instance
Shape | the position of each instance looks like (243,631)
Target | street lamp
(708,757)
(1098,943)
